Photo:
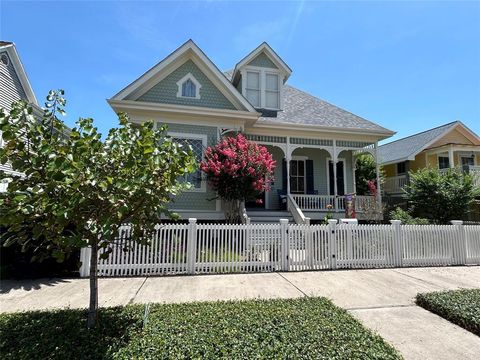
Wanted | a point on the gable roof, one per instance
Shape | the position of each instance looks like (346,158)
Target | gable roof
(11,50)
(408,147)
(188,49)
(271,54)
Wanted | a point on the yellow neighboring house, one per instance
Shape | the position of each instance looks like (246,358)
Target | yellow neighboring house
(447,146)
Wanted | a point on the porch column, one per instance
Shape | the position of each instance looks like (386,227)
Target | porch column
(334,165)
(379,190)
(451,159)
(288,156)
(354,163)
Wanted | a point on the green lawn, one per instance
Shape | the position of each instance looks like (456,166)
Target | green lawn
(300,328)
(461,307)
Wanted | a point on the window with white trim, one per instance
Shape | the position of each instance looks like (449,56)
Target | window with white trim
(443,162)
(272,91)
(253,88)
(188,87)
(197,144)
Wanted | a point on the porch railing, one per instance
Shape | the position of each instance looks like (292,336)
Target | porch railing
(329,202)
(296,211)
(395,184)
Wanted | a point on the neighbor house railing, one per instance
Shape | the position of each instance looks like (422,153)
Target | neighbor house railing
(395,184)
(224,248)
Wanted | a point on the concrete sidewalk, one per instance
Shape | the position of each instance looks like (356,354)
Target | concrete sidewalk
(382,299)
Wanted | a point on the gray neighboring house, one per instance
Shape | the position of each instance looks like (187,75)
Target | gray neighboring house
(14,85)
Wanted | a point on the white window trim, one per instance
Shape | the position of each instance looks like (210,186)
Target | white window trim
(180,82)
(467,155)
(203,183)
(444,155)
(303,159)
(344,175)
(263,71)
(396,169)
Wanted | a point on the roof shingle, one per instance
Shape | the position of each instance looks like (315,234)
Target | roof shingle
(402,149)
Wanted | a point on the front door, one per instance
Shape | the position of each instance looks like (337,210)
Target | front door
(340,178)
(297,176)
(467,161)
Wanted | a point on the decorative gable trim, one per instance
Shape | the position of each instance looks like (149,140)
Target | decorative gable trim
(271,54)
(20,70)
(190,77)
(188,50)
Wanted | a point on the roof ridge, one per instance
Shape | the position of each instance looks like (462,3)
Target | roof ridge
(422,132)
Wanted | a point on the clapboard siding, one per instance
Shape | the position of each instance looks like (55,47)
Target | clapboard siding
(11,88)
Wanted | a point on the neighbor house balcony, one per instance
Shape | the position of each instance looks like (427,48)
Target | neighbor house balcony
(395,184)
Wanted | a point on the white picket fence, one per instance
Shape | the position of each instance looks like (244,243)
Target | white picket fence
(223,248)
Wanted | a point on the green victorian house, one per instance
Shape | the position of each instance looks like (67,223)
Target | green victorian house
(313,142)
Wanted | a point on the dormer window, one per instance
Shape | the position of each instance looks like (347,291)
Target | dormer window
(253,88)
(188,87)
(272,91)
(262,87)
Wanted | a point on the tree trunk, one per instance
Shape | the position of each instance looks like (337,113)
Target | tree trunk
(93,307)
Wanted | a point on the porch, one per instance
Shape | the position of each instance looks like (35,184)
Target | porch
(313,176)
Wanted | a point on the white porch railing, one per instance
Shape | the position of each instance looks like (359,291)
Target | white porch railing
(296,211)
(395,184)
(330,202)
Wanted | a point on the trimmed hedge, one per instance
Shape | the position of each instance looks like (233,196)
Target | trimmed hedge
(295,328)
(461,307)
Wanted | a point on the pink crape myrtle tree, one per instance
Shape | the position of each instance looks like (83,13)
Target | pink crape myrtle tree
(238,170)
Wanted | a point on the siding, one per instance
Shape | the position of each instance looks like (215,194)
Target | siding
(11,88)
(262,60)
(453,137)
(192,200)
(166,90)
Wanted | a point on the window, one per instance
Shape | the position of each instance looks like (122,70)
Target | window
(188,87)
(401,168)
(253,88)
(272,91)
(443,162)
(297,176)
(467,161)
(197,143)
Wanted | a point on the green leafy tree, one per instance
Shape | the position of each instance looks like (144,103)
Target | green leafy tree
(77,189)
(365,171)
(441,196)
(407,219)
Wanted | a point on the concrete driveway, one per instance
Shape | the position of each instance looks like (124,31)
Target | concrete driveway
(382,299)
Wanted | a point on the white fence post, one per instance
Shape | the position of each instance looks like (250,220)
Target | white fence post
(397,243)
(85,254)
(191,245)
(332,243)
(285,243)
(460,248)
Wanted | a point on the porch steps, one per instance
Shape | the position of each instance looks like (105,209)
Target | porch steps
(266,216)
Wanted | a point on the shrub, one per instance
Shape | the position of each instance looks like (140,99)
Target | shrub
(406,218)
(441,196)
(461,307)
(260,329)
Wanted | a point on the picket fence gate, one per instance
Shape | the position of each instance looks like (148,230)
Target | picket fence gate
(226,248)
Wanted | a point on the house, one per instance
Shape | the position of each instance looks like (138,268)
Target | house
(14,86)
(313,142)
(447,146)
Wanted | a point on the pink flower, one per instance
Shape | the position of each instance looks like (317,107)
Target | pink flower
(259,201)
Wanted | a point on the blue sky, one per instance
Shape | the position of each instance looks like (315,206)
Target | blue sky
(408,66)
